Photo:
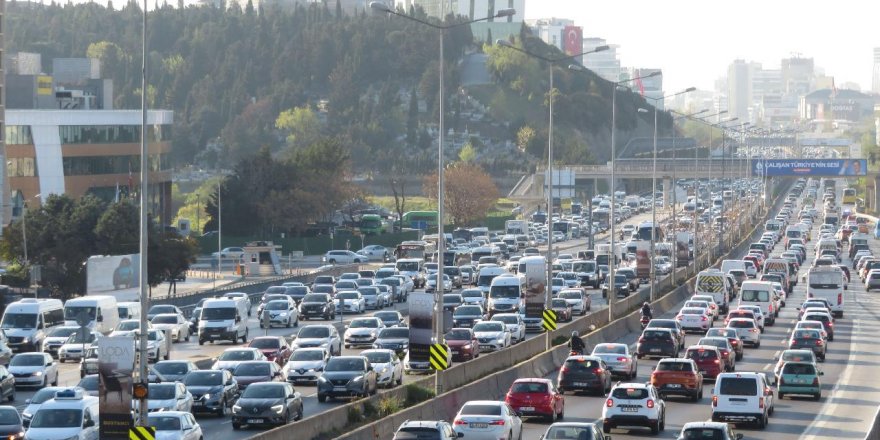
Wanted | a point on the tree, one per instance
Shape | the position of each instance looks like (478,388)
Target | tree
(300,125)
(412,118)
(469,192)
(398,188)
(468,153)
(524,137)
(169,257)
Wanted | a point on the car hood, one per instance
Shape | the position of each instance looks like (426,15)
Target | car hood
(392,341)
(199,390)
(19,332)
(52,433)
(348,375)
(164,326)
(55,339)
(168,435)
(10,429)
(361,331)
(304,365)
(573,300)
(226,365)
(165,403)
(122,333)
(457,343)
(246,380)
(24,369)
(258,403)
(311,342)
(466,316)
(493,335)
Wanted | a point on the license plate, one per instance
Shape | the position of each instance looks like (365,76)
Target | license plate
(213,336)
(338,388)
(655,350)
(454,352)
(800,381)
(625,409)
(485,347)
(478,425)
(673,385)
(527,408)
(580,384)
(255,420)
(702,371)
(198,403)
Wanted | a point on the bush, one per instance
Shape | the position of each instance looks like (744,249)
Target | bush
(355,415)
(388,406)
(417,394)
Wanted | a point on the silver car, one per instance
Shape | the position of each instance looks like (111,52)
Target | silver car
(747,330)
(619,359)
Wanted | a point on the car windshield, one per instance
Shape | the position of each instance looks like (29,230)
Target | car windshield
(674,366)
(569,294)
(580,364)
(237,355)
(630,393)
(162,391)
(164,423)
(89,382)
(81,338)
(738,386)
(570,432)
(610,349)
(253,369)
(19,320)
(480,409)
(741,323)
(315,298)
(155,310)
(57,418)
(314,332)
(504,292)
(71,312)
(755,295)
(806,334)
(277,305)
(458,335)
(265,343)
(559,303)
(364,323)
(656,335)
(128,326)
(345,364)
(27,360)
(264,391)
(488,327)
(347,295)
(703,434)
(467,311)
(307,355)
(701,354)
(218,313)
(171,367)
(203,378)
(394,333)
(164,319)
(379,357)
(472,294)
(507,319)
(692,311)
(62,332)
(715,342)
(799,368)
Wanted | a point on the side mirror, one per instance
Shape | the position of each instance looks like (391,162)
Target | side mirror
(100,319)
(49,364)
(821,373)
(238,319)
(370,368)
(88,424)
(739,437)
(229,382)
(461,435)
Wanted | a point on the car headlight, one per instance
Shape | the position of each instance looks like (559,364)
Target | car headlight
(322,379)
(278,409)
(236,408)
(38,373)
(467,347)
(206,396)
(230,328)
(282,314)
(500,340)
(358,379)
(325,344)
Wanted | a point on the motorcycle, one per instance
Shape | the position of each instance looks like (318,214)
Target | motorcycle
(645,320)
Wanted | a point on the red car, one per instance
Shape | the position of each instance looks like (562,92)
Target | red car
(707,358)
(536,397)
(463,343)
(275,348)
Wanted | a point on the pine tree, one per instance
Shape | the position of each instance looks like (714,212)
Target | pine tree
(412,119)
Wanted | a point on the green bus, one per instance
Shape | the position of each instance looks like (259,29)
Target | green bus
(371,224)
(419,219)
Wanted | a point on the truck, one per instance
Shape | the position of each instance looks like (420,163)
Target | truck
(516,227)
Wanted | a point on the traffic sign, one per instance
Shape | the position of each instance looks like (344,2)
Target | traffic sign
(141,391)
(142,433)
(549,320)
(83,319)
(439,353)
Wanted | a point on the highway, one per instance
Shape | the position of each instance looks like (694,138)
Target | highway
(850,391)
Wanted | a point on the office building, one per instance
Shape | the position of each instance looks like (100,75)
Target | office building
(5,206)
(605,63)
(79,152)
(797,75)
(839,105)
(648,87)
(875,79)
(23,63)
(551,30)
(75,71)
(739,88)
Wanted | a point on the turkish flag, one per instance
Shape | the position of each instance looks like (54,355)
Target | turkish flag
(573,36)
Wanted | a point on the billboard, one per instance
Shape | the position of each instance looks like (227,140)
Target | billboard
(421,326)
(809,167)
(116,357)
(44,85)
(573,40)
(536,285)
(115,275)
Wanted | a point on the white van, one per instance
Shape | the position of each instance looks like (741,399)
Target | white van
(223,320)
(759,293)
(101,309)
(486,275)
(70,415)
(506,294)
(129,310)
(27,321)
(742,398)
(728,265)
(713,282)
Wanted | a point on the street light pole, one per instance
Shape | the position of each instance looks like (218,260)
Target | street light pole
(675,197)
(144,230)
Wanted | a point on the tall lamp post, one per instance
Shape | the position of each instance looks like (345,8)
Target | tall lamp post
(550,62)
(674,196)
(697,186)
(144,227)
(441,237)
(654,189)
(723,227)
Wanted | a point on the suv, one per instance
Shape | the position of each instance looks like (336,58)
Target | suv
(741,398)
(671,324)
(425,430)
(344,257)
(657,342)
(679,377)
(634,404)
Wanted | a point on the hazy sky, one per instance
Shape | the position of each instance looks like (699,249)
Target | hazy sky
(694,41)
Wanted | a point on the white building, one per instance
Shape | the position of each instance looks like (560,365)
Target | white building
(605,63)
(649,87)
(550,30)
(875,83)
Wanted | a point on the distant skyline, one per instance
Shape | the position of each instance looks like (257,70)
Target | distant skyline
(695,41)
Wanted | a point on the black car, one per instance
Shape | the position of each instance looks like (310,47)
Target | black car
(621,286)
(659,342)
(194,321)
(466,315)
(671,324)
(631,278)
(257,405)
(10,423)
(213,391)
(347,376)
(451,301)
(317,305)
(297,292)
(584,373)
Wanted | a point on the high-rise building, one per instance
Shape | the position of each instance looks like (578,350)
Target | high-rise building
(551,30)
(605,63)
(797,75)
(5,206)
(875,83)
(648,87)
(739,88)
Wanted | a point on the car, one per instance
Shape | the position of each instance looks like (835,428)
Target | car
(618,359)
(826,318)
(748,313)
(731,336)
(809,339)
(678,377)
(562,308)
(193,321)
(375,252)
(800,378)
(318,335)
(425,429)
(362,332)
(393,338)
(515,325)
(267,404)
(317,305)
(89,384)
(487,419)
(671,324)
(73,348)
(467,315)
(373,298)
(171,371)
(350,301)
(621,286)
(347,376)
(574,431)
(814,325)
(742,398)
(747,330)
(708,359)
(127,327)
(634,404)
(175,425)
(40,397)
(230,252)
(793,355)
(157,345)
(631,278)
(34,369)
(306,365)
(162,308)
(694,319)
(172,396)
(704,302)
(174,324)
(707,431)
(536,397)
(344,257)
(578,299)
(249,372)
(728,356)
(232,357)
(387,365)
(272,293)
(584,373)
(213,391)
(492,335)
(463,344)
(657,342)
(431,284)
(390,318)
(56,337)
(281,312)
(274,348)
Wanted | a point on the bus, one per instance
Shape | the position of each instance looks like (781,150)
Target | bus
(643,232)
(414,249)
(564,227)
(419,219)
(849,196)
(371,224)
(827,282)
(539,217)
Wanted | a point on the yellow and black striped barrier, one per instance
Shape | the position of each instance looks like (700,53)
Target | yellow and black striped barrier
(549,320)
(439,356)
(142,433)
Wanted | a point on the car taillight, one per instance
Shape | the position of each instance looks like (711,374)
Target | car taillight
(714,400)
(717,361)
(499,422)
(754,330)
(609,403)
(704,318)
(597,371)
(623,359)
(761,402)
(641,340)
(679,317)
(563,369)
(819,342)
(815,381)
(650,403)
(734,342)
(459,422)
(839,298)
